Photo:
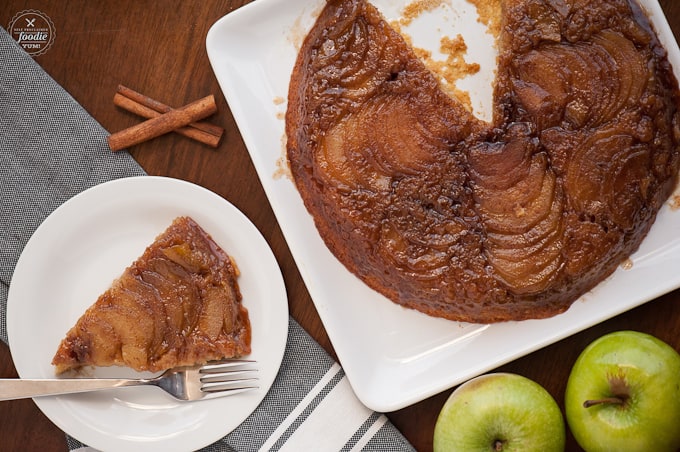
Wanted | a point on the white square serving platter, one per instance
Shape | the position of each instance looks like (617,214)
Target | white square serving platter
(394,357)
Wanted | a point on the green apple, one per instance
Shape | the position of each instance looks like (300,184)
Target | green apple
(500,412)
(623,394)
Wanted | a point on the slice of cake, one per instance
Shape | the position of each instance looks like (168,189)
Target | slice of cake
(177,305)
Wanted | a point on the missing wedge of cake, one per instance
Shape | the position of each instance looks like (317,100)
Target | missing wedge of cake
(178,304)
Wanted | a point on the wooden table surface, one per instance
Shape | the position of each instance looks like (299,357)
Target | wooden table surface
(158,48)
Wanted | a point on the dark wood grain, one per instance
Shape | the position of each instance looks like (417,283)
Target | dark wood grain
(158,48)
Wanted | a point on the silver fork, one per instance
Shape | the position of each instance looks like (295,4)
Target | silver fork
(215,379)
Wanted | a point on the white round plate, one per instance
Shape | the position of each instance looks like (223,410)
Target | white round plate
(74,256)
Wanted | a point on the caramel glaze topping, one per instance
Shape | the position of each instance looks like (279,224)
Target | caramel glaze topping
(177,305)
(479,222)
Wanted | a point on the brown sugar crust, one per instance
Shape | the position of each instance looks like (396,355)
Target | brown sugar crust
(179,304)
(476,221)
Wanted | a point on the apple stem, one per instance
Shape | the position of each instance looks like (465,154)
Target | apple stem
(498,445)
(612,400)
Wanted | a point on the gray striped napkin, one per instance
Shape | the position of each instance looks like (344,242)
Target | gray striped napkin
(50,150)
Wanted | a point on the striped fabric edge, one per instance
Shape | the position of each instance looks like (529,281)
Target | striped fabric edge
(329,417)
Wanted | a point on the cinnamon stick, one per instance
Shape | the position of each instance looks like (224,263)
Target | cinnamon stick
(190,132)
(162,108)
(167,122)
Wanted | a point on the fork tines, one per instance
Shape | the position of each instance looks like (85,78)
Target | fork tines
(232,375)
(225,364)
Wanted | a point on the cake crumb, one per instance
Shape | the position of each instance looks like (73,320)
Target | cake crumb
(674,202)
(418,7)
(282,165)
(455,50)
(627,264)
(489,12)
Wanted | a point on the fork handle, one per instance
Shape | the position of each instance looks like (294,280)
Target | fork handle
(19,388)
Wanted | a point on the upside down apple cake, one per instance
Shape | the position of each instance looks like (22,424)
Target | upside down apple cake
(179,304)
(475,221)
